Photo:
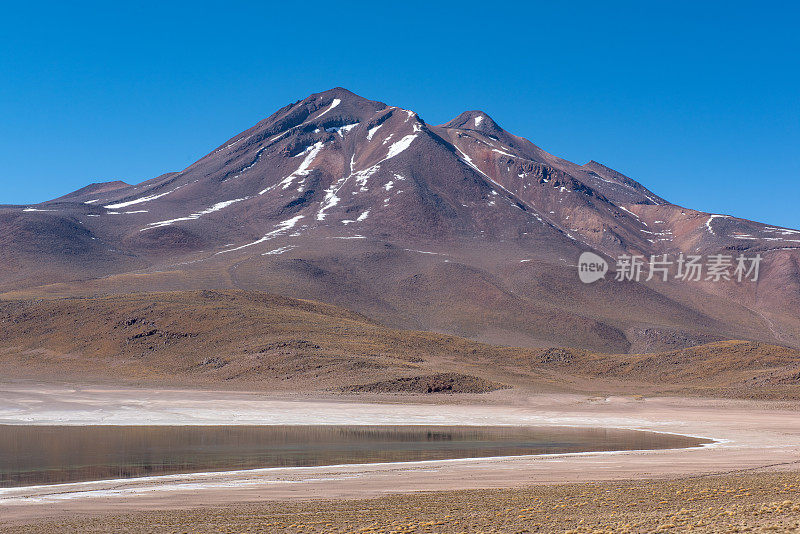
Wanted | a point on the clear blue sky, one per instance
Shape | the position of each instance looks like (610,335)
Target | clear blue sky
(700,101)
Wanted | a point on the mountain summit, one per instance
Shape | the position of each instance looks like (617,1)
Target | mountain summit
(461,227)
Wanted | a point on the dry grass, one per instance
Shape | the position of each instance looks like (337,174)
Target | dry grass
(224,338)
(732,503)
(256,341)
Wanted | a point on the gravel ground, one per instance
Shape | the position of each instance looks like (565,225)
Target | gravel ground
(732,503)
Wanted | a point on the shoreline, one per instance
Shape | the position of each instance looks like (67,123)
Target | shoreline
(76,486)
(749,435)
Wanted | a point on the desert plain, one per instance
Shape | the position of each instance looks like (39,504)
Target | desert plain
(747,479)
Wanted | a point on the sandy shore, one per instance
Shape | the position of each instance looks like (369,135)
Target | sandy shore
(750,436)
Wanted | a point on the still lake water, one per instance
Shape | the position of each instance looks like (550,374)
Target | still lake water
(32,455)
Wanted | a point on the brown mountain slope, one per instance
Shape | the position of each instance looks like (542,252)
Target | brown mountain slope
(253,340)
(461,228)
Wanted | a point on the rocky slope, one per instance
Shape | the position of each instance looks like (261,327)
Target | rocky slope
(461,228)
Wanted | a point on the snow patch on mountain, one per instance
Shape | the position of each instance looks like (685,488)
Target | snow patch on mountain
(139,200)
(281,228)
(503,152)
(361,177)
(279,250)
(332,198)
(399,146)
(341,130)
(466,159)
(371,131)
(424,252)
(193,216)
(782,231)
(335,103)
(311,154)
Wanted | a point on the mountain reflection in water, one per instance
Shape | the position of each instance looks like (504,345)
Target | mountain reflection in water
(31,455)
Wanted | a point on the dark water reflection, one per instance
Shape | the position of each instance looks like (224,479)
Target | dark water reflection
(50,454)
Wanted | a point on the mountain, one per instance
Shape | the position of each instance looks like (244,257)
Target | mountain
(459,228)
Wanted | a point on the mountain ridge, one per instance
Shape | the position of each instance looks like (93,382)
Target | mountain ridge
(358,203)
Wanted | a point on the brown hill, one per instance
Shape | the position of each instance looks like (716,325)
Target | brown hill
(253,340)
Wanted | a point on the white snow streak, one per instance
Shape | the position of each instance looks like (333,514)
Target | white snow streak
(335,103)
(332,198)
(466,159)
(400,146)
(302,170)
(341,130)
(424,252)
(362,176)
(505,153)
(282,227)
(372,131)
(216,207)
(140,200)
(629,211)
(279,250)
(784,231)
